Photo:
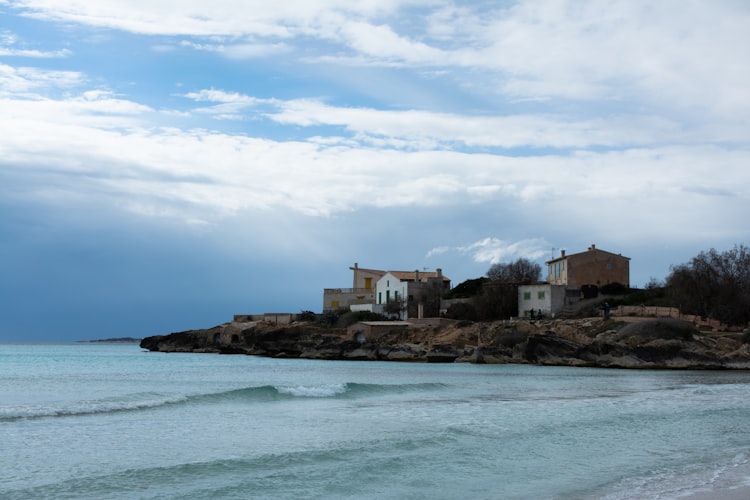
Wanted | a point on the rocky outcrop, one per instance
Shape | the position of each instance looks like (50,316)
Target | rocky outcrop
(656,343)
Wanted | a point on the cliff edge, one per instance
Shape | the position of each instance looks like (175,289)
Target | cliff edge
(594,342)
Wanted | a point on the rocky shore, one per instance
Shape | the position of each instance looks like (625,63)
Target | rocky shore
(593,342)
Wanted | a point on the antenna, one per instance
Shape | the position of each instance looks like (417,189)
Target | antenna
(552,256)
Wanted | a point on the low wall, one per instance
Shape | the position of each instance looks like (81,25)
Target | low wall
(275,318)
(668,312)
(433,322)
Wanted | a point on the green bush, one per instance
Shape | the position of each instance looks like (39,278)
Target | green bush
(461,310)
(614,289)
(307,316)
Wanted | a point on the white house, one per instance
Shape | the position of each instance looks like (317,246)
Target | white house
(390,288)
(419,291)
(543,297)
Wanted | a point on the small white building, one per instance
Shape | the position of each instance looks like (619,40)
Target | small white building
(544,297)
(419,291)
(390,288)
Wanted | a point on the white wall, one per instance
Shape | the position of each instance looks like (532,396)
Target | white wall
(552,301)
(391,288)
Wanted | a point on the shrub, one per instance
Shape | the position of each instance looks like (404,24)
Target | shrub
(461,310)
(614,289)
(307,316)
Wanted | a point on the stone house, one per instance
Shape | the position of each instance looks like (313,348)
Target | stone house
(371,290)
(571,277)
(593,267)
(361,293)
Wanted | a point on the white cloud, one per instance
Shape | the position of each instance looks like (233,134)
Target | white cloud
(413,129)
(681,55)
(245,50)
(494,250)
(21,81)
(9,47)
(206,175)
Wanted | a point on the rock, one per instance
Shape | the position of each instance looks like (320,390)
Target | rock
(442,353)
(402,352)
(656,343)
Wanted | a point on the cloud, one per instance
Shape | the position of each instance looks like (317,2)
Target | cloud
(666,53)
(493,250)
(235,50)
(20,81)
(417,129)
(98,142)
(9,48)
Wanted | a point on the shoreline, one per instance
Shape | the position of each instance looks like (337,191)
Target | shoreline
(588,342)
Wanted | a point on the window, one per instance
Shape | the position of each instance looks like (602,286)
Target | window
(526,295)
(540,295)
(380,297)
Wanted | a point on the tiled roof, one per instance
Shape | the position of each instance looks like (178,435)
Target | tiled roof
(412,275)
(372,271)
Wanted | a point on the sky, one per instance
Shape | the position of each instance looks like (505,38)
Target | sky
(165,165)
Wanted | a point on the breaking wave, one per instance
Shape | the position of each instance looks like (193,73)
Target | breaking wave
(150,401)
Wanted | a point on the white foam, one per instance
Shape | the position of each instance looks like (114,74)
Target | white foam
(321,391)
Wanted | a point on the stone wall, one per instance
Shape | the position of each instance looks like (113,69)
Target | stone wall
(669,312)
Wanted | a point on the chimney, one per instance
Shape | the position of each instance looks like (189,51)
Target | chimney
(439,273)
(562,253)
(416,275)
(356,265)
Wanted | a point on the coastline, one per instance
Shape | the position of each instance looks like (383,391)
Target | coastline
(661,343)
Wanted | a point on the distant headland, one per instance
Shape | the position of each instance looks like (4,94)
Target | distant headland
(118,340)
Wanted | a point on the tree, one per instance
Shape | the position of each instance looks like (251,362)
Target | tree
(499,297)
(518,272)
(714,284)
(429,294)
(394,308)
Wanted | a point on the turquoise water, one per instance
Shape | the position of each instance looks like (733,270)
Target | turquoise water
(113,421)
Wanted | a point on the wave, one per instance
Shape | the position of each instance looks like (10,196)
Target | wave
(346,390)
(89,407)
(150,401)
(336,471)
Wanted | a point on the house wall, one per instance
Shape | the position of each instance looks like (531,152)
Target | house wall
(365,278)
(592,267)
(389,288)
(338,298)
(373,308)
(549,298)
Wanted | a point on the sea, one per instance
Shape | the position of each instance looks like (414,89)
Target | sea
(113,421)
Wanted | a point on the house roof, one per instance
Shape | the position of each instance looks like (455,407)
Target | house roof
(372,271)
(412,275)
(592,248)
